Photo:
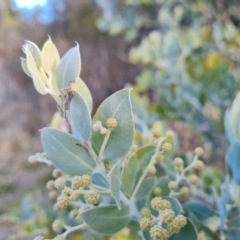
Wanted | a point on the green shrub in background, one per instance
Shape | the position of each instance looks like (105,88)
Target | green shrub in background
(107,179)
(187,53)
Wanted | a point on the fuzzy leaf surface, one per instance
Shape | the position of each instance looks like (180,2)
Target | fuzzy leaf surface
(81,88)
(162,183)
(81,118)
(69,68)
(50,57)
(146,187)
(115,182)
(116,106)
(107,219)
(135,168)
(65,153)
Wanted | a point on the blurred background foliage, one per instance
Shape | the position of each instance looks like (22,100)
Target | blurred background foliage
(181,57)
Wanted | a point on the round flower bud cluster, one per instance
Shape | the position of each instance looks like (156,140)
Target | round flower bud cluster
(145,213)
(179,222)
(73,214)
(199,165)
(63,201)
(193,179)
(168,215)
(67,192)
(157,134)
(157,192)
(53,195)
(50,185)
(199,151)
(77,182)
(152,170)
(159,158)
(160,204)
(170,135)
(91,198)
(97,126)
(167,147)
(184,191)
(57,225)
(111,123)
(134,147)
(178,164)
(39,238)
(145,224)
(60,183)
(173,185)
(56,173)
(158,233)
(87,180)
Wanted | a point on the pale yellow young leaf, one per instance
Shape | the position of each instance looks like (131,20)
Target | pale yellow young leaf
(50,57)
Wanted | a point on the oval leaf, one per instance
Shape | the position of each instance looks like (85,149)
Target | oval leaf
(162,183)
(50,57)
(234,116)
(201,211)
(187,233)
(233,161)
(36,53)
(69,68)
(38,78)
(25,67)
(107,219)
(65,153)
(81,88)
(228,128)
(146,187)
(100,182)
(81,119)
(115,182)
(116,106)
(138,162)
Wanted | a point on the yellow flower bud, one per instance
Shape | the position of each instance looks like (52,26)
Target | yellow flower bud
(87,180)
(53,195)
(168,215)
(91,198)
(152,170)
(145,224)
(173,185)
(57,225)
(157,192)
(170,135)
(134,148)
(199,165)
(56,173)
(50,185)
(77,182)
(193,179)
(184,191)
(157,134)
(73,214)
(111,123)
(63,201)
(145,213)
(198,151)
(67,192)
(156,203)
(60,183)
(97,126)
(159,158)
(158,233)
(167,147)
